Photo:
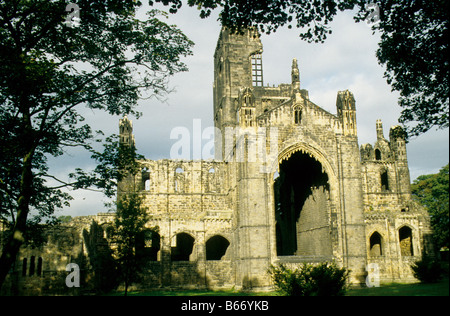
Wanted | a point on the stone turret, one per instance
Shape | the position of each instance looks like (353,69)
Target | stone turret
(295,75)
(126,131)
(346,111)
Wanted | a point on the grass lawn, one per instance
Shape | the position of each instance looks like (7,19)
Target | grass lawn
(194,293)
(416,289)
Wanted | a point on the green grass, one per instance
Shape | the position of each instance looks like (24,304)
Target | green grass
(193,293)
(415,289)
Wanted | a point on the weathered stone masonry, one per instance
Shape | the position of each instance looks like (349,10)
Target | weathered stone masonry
(317,197)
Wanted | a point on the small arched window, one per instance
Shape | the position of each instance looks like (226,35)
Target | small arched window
(375,245)
(377,154)
(184,247)
(146,179)
(24,266)
(384,181)
(216,247)
(297,116)
(406,241)
(179,180)
(39,267)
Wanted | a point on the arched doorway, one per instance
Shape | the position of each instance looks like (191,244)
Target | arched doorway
(302,207)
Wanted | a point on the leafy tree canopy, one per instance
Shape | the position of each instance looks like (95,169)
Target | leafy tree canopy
(432,191)
(413,46)
(51,68)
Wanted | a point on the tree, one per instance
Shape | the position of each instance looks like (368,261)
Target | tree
(413,46)
(432,191)
(117,166)
(128,230)
(50,68)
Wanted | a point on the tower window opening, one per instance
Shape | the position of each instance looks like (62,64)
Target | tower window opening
(384,181)
(297,116)
(257,76)
(377,154)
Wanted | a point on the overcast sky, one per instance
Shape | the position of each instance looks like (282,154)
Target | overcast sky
(345,61)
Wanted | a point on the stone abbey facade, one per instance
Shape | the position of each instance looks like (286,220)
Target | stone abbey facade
(289,184)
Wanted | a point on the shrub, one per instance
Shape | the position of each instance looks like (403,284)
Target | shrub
(427,270)
(324,279)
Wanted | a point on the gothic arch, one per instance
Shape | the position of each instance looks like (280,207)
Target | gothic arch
(406,240)
(375,244)
(312,151)
(247,98)
(306,184)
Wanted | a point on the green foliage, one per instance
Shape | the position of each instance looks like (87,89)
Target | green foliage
(427,270)
(114,162)
(64,218)
(414,49)
(324,279)
(50,71)
(432,191)
(128,231)
(413,46)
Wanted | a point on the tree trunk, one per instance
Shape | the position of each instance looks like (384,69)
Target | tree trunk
(12,246)
(126,285)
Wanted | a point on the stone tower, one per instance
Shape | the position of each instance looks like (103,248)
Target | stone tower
(313,211)
(237,64)
(126,136)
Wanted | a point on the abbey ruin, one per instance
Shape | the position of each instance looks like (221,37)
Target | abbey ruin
(318,196)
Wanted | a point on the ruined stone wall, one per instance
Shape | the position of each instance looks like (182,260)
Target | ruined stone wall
(218,221)
(313,226)
(395,240)
(385,172)
(398,230)
(40,269)
(189,198)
